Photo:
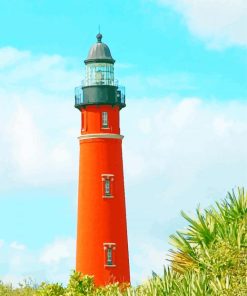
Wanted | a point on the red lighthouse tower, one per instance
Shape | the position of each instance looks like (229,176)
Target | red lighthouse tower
(102,244)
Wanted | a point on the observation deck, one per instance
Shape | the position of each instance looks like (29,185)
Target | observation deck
(89,93)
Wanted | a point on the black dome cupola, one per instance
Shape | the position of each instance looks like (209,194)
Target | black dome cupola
(99,86)
(99,52)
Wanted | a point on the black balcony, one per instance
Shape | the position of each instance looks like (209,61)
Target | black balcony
(99,95)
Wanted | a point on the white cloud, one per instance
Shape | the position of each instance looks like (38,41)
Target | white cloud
(38,141)
(191,152)
(219,22)
(58,250)
(148,257)
(10,56)
(164,133)
(17,246)
(141,84)
(53,262)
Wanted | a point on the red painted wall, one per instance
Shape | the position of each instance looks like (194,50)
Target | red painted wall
(91,119)
(101,220)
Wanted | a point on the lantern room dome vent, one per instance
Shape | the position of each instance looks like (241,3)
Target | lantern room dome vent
(99,52)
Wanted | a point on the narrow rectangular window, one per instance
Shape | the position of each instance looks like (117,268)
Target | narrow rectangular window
(107,187)
(82,120)
(104,119)
(109,256)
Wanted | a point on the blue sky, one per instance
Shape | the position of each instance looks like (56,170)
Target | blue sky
(184,65)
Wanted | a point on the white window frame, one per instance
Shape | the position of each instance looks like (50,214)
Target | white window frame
(107,185)
(105,120)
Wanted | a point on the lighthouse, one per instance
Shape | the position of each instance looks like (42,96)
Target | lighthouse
(102,243)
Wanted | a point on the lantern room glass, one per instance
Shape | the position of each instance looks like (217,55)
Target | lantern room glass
(99,74)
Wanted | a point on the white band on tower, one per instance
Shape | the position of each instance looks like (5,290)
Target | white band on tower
(100,136)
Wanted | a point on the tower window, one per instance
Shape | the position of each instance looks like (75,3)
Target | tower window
(83,120)
(107,185)
(109,256)
(109,251)
(104,119)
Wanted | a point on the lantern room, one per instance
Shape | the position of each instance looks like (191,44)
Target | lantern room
(99,86)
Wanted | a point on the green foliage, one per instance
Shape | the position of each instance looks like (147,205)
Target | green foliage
(208,258)
(80,285)
(25,289)
(50,290)
(215,243)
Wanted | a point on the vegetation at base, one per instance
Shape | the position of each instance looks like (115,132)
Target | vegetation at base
(208,258)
